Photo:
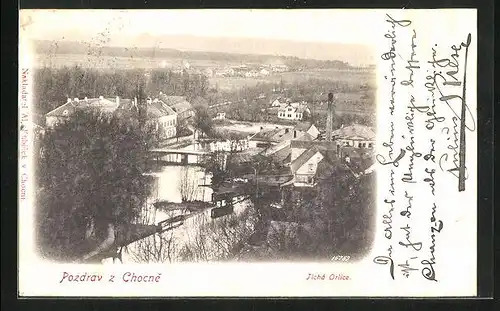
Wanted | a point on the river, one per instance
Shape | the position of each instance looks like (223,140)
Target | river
(200,238)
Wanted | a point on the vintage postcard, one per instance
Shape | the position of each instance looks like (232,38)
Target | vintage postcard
(252,153)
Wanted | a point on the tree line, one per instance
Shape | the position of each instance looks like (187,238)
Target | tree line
(52,86)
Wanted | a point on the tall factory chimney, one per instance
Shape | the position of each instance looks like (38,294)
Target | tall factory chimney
(329,118)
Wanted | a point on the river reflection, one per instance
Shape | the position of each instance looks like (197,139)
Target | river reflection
(172,184)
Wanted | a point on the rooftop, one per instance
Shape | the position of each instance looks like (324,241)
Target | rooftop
(158,108)
(303,126)
(355,131)
(108,105)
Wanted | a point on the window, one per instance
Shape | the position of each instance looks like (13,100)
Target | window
(311,167)
(370,145)
(289,115)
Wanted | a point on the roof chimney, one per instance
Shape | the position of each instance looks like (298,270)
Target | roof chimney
(329,118)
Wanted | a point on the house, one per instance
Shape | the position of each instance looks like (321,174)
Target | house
(286,143)
(268,137)
(220,116)
(162,116)
(356,135)
(209,72)
(279,68)
(304,167)
(278,101)
(307,127)
(65,111)
(293,111)
(305,156)
(157,114)
(179,105)
(251,74)
(264,72)
(228,141)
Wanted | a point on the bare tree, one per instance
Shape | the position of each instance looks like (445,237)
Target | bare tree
(218,239)
(188,185)
(156,248)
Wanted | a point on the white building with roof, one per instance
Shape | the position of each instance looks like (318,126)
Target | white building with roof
(355,135)
(65,111)
(293,111)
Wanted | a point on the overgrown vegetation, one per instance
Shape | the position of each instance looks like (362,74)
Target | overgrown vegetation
(54,85)
(89,175)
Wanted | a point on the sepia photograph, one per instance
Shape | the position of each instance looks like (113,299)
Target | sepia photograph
(247,152)
(171,147)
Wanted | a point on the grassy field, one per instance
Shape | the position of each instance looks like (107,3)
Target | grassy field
(109,62)
(355,77)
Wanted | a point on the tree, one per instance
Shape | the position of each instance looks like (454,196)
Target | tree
(202,120)
(188,185)
(90,176)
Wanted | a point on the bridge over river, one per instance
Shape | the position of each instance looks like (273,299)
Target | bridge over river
(170,156)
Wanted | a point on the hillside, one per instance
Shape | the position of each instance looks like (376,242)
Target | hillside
(47,47)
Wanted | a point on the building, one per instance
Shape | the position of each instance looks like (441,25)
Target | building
(252,74)
(228,141)
(220,116)
(305,157)
(307,127)
(64,112)
(162,116)
(304,167)
(268,137)
(264,72)
(356,135)
(209,72)
(279,68)
(179,105)
(293,111)
(279,101)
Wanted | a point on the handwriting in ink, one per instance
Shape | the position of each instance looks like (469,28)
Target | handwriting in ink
(430,156)
(391,54)
(406,268)
(450,79)
(384,260)
(408,176)
(415,245)
(407,212)
(430,179)
(387,219)
(412,63)
(428,272)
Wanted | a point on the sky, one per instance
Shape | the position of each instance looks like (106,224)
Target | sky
(313,25)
